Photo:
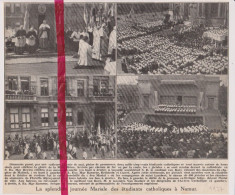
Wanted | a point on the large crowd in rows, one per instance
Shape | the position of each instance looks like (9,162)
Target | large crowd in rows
(175,50)
(179,109)
(81,145)
(138,140)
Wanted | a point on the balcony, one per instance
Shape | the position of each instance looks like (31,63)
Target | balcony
(67,98)
(20,98)
(105,96)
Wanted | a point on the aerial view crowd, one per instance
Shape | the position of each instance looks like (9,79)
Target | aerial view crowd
(138,140)
(80,145)
(155,44)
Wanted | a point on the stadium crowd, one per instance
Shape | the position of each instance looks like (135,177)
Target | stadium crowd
(138,140)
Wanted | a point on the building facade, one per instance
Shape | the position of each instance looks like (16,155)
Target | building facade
(31,103)
(128,97)
(211,14)
(197,92)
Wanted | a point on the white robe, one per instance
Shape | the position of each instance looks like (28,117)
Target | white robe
(96,44)
(44,33)
(84,52)
(112,41)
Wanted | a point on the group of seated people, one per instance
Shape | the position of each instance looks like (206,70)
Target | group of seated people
(216,33)
(138,140)
(187,52)
(151,26)
(46,146)
(216,64)
(127,32)
(179,109)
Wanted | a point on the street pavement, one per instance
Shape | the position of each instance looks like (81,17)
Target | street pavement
(50,155)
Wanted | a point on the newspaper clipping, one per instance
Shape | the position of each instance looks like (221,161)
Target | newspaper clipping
(146,98)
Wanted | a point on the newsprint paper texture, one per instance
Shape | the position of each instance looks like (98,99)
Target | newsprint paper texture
(146,97)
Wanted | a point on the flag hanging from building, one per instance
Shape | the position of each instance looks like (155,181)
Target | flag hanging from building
(106,9)
(26,19)
(111,11)
(92,14)
(86,17)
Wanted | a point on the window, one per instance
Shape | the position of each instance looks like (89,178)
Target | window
(14,118)
(80,118)
(17,8)
(201,10)
(13,83)
(96,87)
(146,101)
(179,100)
(44,117)
(104,87)
(169,100)
(100,87)
(222,9)
(8,8)
(24,84)
(67,87)
(80,88)
(214,9)
(55,116)
(69,116)
(44,87)
(190,100)
(26,117)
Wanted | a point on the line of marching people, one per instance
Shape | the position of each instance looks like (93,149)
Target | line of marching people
(46,146)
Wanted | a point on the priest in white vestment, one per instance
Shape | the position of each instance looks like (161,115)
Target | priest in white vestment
(84,51)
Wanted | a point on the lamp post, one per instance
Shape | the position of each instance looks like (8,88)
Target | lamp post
(21,128)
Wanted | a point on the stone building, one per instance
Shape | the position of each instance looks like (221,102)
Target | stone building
(194,91)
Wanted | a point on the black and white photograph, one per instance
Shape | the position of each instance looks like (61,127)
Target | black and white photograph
(90,34)
(172,116)
(128,97)
(31,121)
(172,38)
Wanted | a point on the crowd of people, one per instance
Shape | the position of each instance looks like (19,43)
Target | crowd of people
(82,145)
(22,40)
(176,50)
(138,140)
(179,109)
